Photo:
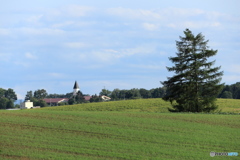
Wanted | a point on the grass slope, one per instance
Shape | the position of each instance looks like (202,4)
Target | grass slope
(132,132)
(143,105)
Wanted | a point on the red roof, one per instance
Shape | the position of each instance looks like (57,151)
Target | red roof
(59,100)
(87,98)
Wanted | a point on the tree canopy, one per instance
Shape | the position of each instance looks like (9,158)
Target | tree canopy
(7,97)
(196,83)
(40,94)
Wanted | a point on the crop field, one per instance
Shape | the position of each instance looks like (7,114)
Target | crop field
(134,129)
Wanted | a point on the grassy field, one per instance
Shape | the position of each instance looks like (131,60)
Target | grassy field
(135,129)
(143,105)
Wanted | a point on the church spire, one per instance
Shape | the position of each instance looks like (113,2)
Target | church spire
(76,85)
(75,88)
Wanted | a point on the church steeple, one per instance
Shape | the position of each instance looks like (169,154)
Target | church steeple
(76,85)
(75,88)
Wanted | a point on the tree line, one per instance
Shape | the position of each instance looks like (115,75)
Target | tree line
(230,91)
(133,93)
(7,97)
(37,96)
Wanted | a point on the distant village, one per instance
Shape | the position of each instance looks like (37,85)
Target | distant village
(40,98)
(76,96)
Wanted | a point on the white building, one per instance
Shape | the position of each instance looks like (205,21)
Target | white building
(105,98)
(26,105)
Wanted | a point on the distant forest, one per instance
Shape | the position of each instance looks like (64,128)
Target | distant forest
(7,97)
(228,91)
(231,91)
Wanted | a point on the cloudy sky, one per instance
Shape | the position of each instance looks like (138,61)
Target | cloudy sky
(113,44)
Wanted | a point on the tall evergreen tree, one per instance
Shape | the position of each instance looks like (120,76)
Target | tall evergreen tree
(196,83)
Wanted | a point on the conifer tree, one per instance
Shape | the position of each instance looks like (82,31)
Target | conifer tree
(196,83)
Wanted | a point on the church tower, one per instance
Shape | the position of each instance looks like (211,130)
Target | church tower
(75,88)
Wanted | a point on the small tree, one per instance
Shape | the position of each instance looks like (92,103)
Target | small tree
(10,94)
(79,98)
(71,101)
(3,103)
(2,92)
(105,92)
(96,98)
(10,104)
(227,94)
(41,103)
(40,94)
(34,100)
(145,93)
(29,95)
(195,85)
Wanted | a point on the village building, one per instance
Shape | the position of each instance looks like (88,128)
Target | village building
(55,101)
(26,105)
(76,89)
(105,98)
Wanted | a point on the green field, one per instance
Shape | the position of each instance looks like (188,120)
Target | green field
(133,129)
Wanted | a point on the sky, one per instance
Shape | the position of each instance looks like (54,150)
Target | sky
(108,44)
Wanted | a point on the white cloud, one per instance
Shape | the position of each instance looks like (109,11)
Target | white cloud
(40,31)
(234,68)
(150,26)
(181,12)
(135,13)
(56,75)
(22,63)
(150,66)
(76,57)
(63,12)
(108,56)
(139,50)
(105,57)
(73,23)
(4,32)
(157,14)
(35,19)
(63,24)
(29,55)
(196,24)
(171,17)
(78,11)
(111,55)
(76,45)
(5,57)
(231,78)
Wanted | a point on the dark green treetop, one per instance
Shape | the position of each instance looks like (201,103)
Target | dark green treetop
(196,84)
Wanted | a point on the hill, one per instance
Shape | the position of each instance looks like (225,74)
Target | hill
(143,105)
(135,131)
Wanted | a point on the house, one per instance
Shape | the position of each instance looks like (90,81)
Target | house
(87,98)
(26,105)
(55,101)
(105,98)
